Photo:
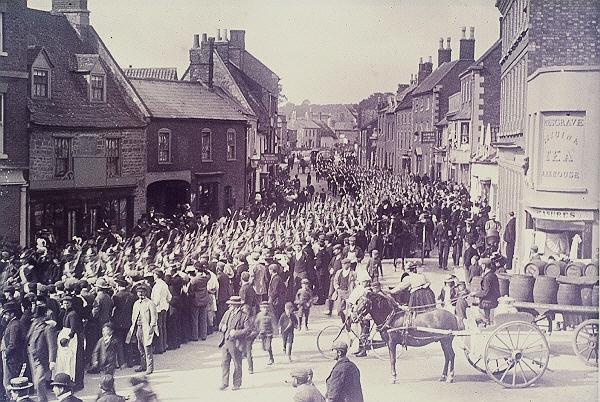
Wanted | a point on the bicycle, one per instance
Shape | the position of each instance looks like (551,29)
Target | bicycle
(374,343)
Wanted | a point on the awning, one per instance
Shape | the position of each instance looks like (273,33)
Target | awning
(418,151)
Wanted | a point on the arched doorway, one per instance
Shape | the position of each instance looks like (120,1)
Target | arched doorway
(166,195)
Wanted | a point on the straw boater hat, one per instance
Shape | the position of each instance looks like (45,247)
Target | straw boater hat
(19,383)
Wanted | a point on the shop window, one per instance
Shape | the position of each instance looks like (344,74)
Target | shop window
(164,146)
(464,133)
(206,142)
(63,158)
(41,83)
(98,88)
(231,148)
(113,157)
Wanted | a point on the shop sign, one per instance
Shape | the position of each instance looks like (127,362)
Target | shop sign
(269,159)
(563,150)
(561,214)
(428,137)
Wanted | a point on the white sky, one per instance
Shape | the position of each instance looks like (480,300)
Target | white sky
(327,51)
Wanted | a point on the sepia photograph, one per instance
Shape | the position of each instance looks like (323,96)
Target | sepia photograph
(299,200)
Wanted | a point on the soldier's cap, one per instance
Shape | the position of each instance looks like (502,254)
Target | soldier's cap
(301,373)
(19,383)
(234,300)
(339,345)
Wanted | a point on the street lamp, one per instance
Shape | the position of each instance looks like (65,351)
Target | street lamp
(254,160)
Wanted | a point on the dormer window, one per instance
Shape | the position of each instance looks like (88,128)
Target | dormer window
(41,83)
(98,88)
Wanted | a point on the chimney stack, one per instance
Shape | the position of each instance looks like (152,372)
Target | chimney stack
(225,35)
(211,47)
(424,69)
(444,55)
(467,45)
(204,38)
(76,11)
(196,41)
(448,43)
(218,38)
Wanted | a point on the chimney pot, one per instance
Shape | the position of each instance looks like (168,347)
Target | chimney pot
(196,41)
(204,38)
(420,60)
(464,32)
(225,35)
(448,43)
(441,43)
(218,34)
(429,59)
(472,32)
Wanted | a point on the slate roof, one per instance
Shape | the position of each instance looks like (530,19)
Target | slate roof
(251,91)
(70,105)
(404,99)
(159,73)
(84,63)
(439,73)
(185,100)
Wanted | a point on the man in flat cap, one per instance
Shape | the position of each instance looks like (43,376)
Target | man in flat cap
(236,327)
(306,390)
(343,383)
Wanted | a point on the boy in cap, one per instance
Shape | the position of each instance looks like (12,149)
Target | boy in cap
(287,323)
(304,298)
(306,390)
(104,357)
(265,326)
(107,391)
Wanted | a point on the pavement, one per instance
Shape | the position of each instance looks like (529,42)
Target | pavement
(193,372)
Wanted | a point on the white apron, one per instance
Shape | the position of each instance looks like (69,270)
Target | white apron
(66,356)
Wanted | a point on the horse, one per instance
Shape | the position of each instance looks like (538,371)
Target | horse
(396,326)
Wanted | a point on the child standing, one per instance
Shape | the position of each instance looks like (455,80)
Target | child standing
(104,357)
(304,302)
(448,294)
(265,326)
(287,323)
(375,268)
(461,301)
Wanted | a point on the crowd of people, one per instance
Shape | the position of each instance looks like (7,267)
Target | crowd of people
(108,302)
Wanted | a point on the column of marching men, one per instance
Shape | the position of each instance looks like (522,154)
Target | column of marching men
(109,302)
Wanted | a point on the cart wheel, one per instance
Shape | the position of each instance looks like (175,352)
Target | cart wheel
(327,336)
(585,342)
(379,347)
(478,362)
(524,350)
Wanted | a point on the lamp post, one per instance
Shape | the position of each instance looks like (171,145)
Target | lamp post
(254,163)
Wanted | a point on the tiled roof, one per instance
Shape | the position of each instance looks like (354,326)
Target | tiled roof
(439,73)
(70,105)
(185,100)
(84,63)
(160,73)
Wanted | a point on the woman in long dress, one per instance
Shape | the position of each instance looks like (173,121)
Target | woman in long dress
(69,354)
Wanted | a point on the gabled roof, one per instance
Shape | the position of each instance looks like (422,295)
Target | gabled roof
(370,123)
(300,124)
(185,100)
(479,62)
(438,75)
(404,99)
(251,91)
(325,130)
(34,51)
(69,105)
(159,73)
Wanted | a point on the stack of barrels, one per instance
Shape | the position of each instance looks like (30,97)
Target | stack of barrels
(548,283)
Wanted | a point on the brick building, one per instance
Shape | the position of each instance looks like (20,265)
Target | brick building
(196,147)
(547,142)
(430,103)
(404,128)
(367,143)
(14,144)
(225,61)
(87,141)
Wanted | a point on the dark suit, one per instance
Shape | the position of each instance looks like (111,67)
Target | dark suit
(105,355)
(198,292)
(13,347)
(224,293)
(510,237)
(41,349)
(343,383)
(72,398)
(123,302)
(277,293)
(489,293)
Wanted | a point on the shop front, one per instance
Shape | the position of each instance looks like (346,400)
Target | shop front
(69,213)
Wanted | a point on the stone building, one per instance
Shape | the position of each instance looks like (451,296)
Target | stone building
(87,143)
(547,142)
(14,144)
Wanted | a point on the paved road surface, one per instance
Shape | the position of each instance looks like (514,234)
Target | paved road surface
(193,372)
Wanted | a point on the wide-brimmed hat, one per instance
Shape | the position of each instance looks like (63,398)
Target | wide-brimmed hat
(62,380)
(234,300)
(11,307)
(19,383)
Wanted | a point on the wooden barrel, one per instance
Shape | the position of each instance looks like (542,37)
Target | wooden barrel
(574,269)
(475,285)
(555,268)
(535,267)
(568,294)
(544,289)
(595,296)
(520,287)
(503,284)
(587,296)
(591,269)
